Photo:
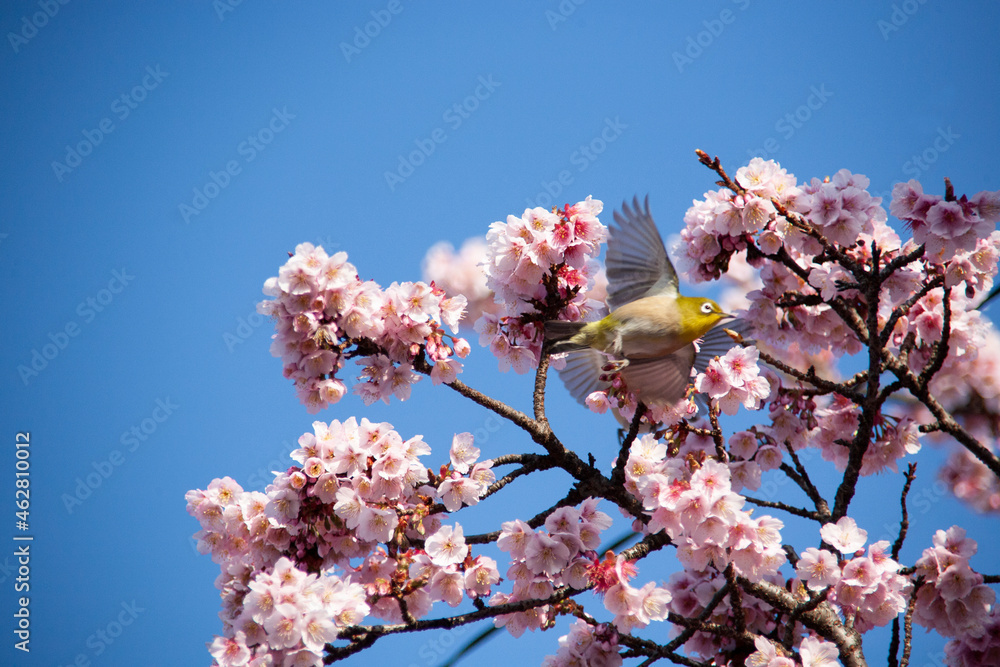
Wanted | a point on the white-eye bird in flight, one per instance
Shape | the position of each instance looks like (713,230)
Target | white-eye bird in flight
(651,328)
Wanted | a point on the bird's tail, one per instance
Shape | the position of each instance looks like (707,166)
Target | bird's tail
(560,332)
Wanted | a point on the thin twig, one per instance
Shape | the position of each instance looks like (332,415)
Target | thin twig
(797,511)
(618,474)
(904,522)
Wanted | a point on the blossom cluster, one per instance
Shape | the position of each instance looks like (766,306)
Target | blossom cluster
(839,213)
(325,314)
(971,481)
(357,486)
(291,616)
(721,225)
(560,555)
(691,593)
(586,644)
(443,570)
(867,587)
(970,651)
(945,227)
(894,437)
(734,379)
(540,267)
(824,226)
(633,607)
(695,505)
(834,211)
(813,651)
(953,599)
(354,529)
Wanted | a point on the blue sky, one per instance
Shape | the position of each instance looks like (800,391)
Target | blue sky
(162,158)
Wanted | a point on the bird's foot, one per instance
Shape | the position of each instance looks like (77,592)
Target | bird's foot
(614,366)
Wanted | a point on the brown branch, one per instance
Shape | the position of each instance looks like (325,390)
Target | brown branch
(716,166)
(371,633)
(720,445)
(646,647)
(822,508)
(908,623)
(539,392)
(571,499)
(945,422)
(823,620)
(870,404)
(797,511)
(735,600)
(646,546)
(904,522)
(512,415)
(618,474)
(532,465)
(903,308)
(810,377)
(793,618)
(899,262)
(688,632)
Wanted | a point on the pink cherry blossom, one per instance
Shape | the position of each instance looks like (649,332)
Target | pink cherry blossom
(818,568)
(447,546)
(844,536)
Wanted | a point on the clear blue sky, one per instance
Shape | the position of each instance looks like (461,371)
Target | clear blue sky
(140,287)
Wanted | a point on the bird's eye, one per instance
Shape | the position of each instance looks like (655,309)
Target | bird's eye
(706,308)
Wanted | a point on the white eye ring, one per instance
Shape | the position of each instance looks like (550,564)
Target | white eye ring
(706,308)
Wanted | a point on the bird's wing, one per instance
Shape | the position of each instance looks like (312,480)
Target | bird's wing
(582,373)
(637,262)
(660,380)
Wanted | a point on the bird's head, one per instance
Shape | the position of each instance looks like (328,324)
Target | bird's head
(698,315)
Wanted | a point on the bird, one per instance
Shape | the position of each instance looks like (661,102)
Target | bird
(651,329)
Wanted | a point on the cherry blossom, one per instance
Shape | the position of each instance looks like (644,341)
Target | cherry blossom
(366,526)
(844,536)
(324,315)
(540,266)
